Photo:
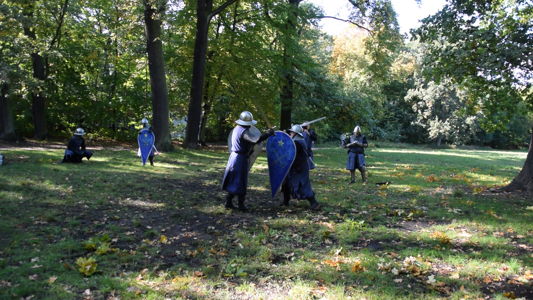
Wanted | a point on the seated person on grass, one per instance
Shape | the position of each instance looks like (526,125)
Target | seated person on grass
(76,148)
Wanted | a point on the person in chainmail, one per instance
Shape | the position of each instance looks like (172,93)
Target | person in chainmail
(356,155)
(235,180)
(76,148)
(297,184)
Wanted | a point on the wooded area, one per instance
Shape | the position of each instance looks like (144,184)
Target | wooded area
(464,78)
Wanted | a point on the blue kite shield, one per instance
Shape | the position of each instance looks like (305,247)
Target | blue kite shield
(146,144)
(281,153)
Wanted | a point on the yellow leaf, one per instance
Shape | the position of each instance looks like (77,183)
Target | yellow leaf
(509,295)
(52,279)
(163,239)
(455,276)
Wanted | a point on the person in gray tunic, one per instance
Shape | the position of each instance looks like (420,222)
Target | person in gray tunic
(356,154)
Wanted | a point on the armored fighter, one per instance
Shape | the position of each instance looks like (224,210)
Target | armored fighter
(356,154)
(243,137)
(152,150)
(297,184)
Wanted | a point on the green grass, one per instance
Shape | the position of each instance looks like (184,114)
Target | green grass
(433,232)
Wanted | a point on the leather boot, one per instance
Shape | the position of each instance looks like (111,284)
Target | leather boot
(363,175)
(242,207)
(352,176)
(314,203)
(229,201)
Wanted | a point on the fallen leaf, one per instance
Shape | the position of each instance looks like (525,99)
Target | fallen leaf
(52,279)
(33,277)
(455,276)
(431,279)
(398,280)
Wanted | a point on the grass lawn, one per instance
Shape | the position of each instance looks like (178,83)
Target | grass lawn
(113,229)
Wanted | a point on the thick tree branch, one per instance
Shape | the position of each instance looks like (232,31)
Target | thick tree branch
(220,9)
(343,20)
(58,30)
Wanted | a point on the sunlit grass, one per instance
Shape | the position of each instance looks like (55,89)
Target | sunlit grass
(434,210)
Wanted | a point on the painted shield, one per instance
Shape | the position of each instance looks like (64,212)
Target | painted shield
(281,153)
(256,149)
(146,143)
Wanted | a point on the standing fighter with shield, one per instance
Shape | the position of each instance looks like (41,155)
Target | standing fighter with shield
(146,143)
(297,184)
(243,138)
(356,154)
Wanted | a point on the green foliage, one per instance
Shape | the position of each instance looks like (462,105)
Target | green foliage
(101,245)
(87,266)
(482,46)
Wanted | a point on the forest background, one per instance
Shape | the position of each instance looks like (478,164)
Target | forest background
(104,65)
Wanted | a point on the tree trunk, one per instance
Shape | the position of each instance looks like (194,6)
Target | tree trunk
(524,180)
(38,108)
(207,110)
(287,88)
(7,122)
(158,82)
(204,13)
(198,72)
(439,140)
(286,103)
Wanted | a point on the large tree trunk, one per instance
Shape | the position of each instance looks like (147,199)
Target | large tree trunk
(286,102)
(198,72)
(524,180)
(204,13)
(287,87)
(7,122)
(38,108)
(158,82)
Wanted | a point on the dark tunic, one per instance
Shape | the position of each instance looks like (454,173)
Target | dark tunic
(76,150)
(356,153)
(298,177)
(309,139)
(236,175)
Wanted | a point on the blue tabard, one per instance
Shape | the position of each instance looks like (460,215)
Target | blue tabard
(356,154)
(236,176)
(309,143)
(298,178)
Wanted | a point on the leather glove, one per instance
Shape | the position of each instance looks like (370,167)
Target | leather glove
(271,131)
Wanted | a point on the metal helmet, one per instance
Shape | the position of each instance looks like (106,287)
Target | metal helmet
(246,119)
(79,131)
(144,121)
(357,129)
(297,129)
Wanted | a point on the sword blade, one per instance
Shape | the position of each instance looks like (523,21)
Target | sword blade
(310,122)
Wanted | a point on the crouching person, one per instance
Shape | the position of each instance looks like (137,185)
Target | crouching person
(76,148)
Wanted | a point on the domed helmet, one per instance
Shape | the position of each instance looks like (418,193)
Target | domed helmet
(144,121)
(79,131)
(246,119)
(357,129)
(297,129)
